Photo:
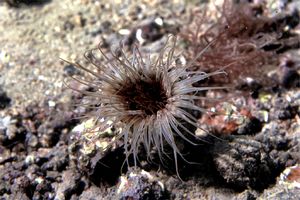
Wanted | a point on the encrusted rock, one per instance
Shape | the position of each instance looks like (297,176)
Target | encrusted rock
(243,162)
(96,154)
(140,185)
(71,184)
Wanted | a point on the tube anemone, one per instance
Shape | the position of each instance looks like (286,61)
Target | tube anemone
(149,97)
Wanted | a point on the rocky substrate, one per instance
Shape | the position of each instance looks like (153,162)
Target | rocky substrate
(41,158)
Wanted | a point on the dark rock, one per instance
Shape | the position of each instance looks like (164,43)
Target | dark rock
(7,159)
(9,133)
(53,176)
(105,27)
(273,136)
(71,70)
(243,163)
(140,185)
(250,85)
(289,77)
(10,172)
(58,159)
(33,171)
(4,187)
(71,184)
(31,140)
(19,195)
(5,101)
(92,193)
(281,148)
(43,187)
(107,168)
(282,109)
(247,195)
(282,190)
(250,126)
(68,26)
(24,184)
(48,123)
(48,137)
(149,30)
(18,3)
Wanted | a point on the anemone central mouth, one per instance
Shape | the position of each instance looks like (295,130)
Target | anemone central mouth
(148,96)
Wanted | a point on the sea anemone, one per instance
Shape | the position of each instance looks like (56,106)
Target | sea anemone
(150,97)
